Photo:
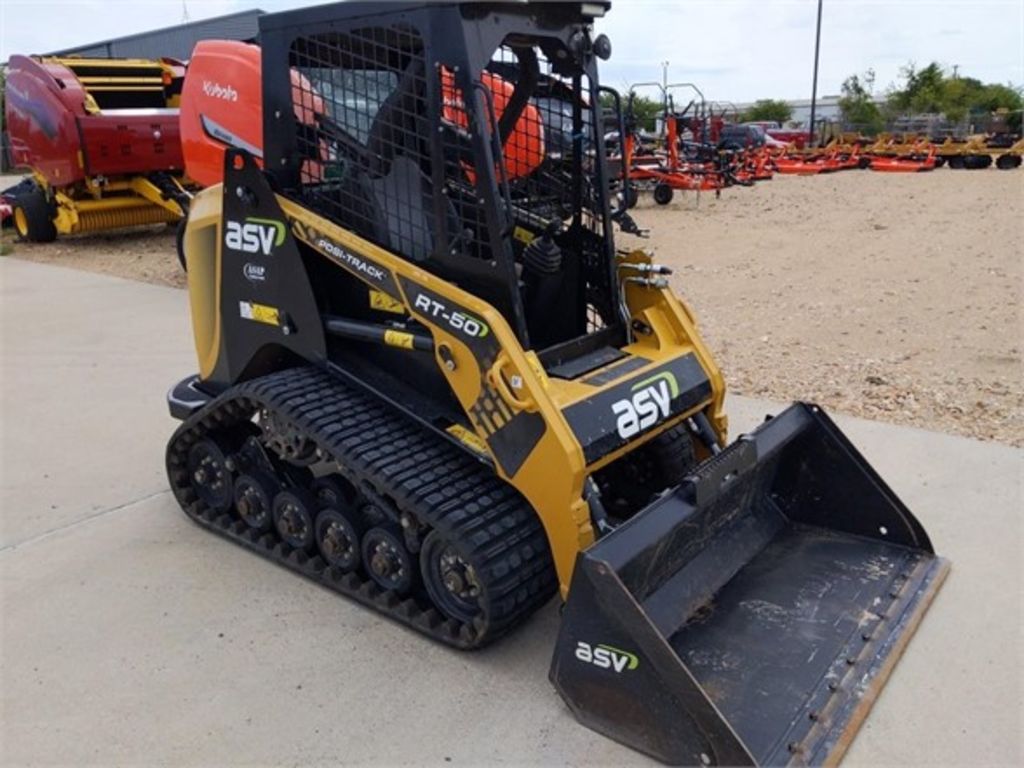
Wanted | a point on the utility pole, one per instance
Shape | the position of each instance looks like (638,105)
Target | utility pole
(184,12)
(664,97)
(814,86)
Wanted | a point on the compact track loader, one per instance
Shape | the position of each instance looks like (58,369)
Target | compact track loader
(429,381)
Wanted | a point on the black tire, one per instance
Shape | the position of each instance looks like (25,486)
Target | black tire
(33,217)
(977,162)
(673,455)
(864,163)
(386,559)
(294,513)
(179,244)
(210,476)
(1008,162)
(663,194)
(451,579)
(956,162)
(254,500)
(338,534)
(630,196)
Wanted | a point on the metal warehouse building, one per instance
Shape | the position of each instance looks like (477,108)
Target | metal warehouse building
(176,42)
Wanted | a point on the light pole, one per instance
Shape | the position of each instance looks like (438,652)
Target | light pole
(814,86)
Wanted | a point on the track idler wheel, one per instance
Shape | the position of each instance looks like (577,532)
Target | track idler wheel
(209,475)
(294,511)
(337,537)
(387,560)
(254,500)
(663,194)
(451,582)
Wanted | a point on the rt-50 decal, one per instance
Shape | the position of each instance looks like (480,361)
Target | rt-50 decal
(650,402)
(459,321)
(254,235)
(607,657)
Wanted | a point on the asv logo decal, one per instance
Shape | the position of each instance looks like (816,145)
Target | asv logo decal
(650,402)
(606,657)
(254,236)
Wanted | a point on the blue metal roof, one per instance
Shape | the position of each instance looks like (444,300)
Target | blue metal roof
(176,42)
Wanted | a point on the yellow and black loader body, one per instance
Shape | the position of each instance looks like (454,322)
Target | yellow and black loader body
(421,272)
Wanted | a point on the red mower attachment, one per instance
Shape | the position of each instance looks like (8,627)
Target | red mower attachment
(910,164)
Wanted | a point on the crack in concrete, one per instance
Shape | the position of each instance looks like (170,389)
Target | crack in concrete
(82,521)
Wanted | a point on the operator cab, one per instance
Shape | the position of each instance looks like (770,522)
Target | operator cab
(477,153)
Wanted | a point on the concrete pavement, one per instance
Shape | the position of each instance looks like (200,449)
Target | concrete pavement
(130,636)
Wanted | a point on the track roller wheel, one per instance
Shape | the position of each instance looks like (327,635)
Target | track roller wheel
(451,582)
(333,491)
(254,500)
(337,537)
(663,194)
(294,510)
(387,560)
(209,474)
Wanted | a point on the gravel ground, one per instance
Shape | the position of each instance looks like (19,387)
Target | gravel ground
(895,297)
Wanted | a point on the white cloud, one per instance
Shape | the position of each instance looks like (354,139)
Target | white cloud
(735,50)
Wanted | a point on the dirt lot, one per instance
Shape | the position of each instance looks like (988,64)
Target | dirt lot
(895,297)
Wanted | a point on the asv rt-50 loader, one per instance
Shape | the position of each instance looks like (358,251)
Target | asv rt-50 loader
(430,382)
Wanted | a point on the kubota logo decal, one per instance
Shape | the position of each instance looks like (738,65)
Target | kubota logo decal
(218,91)
(607,657)
(650,402)
(254,236)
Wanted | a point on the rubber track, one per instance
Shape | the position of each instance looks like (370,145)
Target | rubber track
(398,464)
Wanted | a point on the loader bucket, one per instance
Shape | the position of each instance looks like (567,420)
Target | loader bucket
(751,615)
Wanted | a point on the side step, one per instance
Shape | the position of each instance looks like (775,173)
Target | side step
(750,616)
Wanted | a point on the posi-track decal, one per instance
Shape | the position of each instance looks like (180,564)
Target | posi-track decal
(361,266)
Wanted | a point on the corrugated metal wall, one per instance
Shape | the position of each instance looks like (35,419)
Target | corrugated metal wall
(176,42)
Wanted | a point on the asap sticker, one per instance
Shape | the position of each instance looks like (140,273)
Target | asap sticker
(607,657)
(254,273)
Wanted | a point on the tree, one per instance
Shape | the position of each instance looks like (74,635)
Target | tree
(857,103)
(768,110)
(646,111)
(930,90)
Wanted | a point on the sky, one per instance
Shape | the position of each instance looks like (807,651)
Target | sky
(734,50)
